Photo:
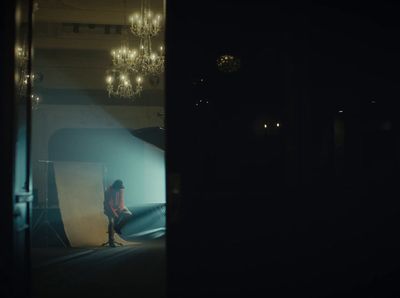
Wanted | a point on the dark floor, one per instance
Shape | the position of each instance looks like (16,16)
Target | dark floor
(129,271)
(276,246)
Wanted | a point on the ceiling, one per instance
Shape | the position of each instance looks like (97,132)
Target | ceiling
(72,43)
(90,11)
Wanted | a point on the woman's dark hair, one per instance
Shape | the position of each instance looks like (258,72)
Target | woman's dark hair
(118,184)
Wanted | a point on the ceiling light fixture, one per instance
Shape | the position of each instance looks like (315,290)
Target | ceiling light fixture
(23,78)
(146,25)
(135,64)
(118,77)
(228,63)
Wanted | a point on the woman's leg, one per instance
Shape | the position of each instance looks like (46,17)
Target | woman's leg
(111,231)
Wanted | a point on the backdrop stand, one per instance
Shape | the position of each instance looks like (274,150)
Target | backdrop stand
(43,219)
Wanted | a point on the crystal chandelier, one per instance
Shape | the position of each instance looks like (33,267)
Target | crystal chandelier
(145,26)
(228,63)
(35,101)
(119,84)
(130,66)
(118,77)
(123,57)
(23,77)
(148,62)
(146,23)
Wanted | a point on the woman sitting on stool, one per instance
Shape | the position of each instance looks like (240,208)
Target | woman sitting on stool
(114,208)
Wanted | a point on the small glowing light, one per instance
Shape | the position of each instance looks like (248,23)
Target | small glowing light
(153,57)
(200,100)
(139,79)
(161,48)
(265,125)
(142,47)
(19,51)
(277,125)
(35,98)
(123,77)
(340,111)
(228,63)
(126,83)
(109,79)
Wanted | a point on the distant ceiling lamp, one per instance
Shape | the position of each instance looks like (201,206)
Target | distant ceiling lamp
(228,63)
(21,56)
(146,25)
(23,78)
(35,101)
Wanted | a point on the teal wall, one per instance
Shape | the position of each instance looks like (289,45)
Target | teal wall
(139,164)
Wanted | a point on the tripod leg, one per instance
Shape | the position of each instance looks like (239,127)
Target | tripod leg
(56,234)
(37,223)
